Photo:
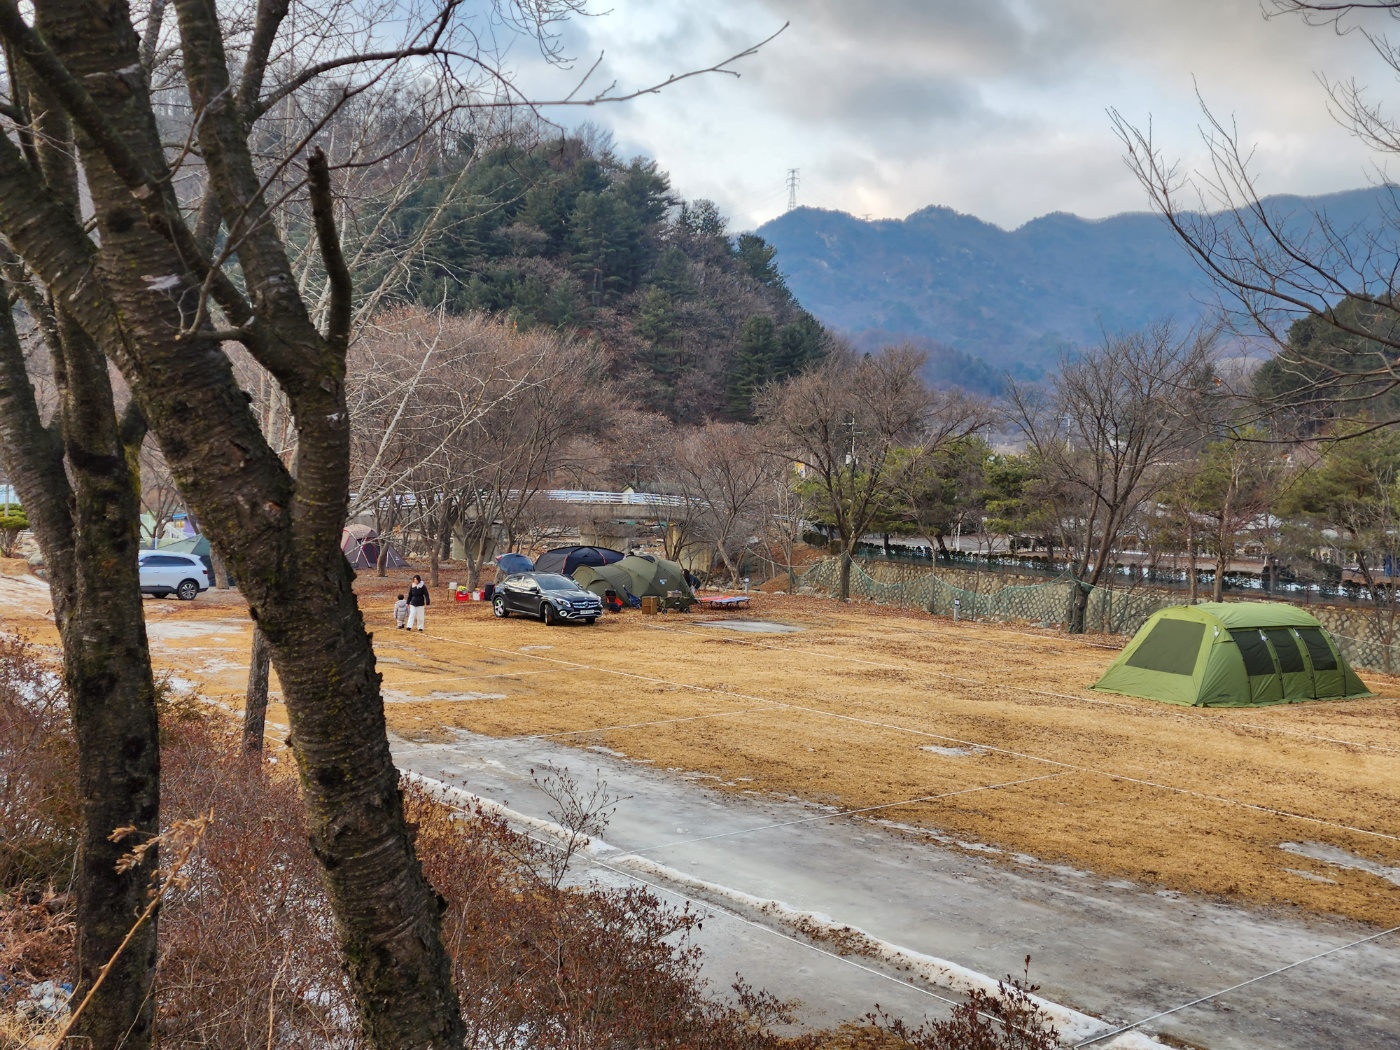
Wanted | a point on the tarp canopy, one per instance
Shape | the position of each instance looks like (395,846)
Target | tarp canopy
(1236,654)
(198,544)
(653,575)
(564,560)
(509,563)
(361,545)
(603,578)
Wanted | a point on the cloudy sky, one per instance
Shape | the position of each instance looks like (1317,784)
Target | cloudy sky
(992,107)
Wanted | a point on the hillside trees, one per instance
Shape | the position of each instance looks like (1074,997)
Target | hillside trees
(1101,432)
(1351,497)
(189,251)
(847,422)
(560,233)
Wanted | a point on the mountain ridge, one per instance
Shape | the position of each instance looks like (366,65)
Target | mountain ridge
(1013,300)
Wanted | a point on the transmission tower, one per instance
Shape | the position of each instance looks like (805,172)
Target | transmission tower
(792,182)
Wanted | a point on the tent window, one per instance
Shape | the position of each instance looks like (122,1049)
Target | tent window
(1171,647)
(1257,658)
(1290,657)
(1323,659)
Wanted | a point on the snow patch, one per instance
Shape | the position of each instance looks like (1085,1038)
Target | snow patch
(952,752)
(162,284)
(1340,858)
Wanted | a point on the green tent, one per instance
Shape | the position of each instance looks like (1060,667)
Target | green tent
(603,578)
(1237,654)
(652,575)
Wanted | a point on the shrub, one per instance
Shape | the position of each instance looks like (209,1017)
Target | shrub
(12,523)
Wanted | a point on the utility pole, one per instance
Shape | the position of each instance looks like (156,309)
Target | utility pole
(792,183)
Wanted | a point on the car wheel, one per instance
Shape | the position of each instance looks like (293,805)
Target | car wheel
(589,620)
(549,615)
(499,608)
(188,590)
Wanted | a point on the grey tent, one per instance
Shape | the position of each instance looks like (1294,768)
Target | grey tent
(361,545)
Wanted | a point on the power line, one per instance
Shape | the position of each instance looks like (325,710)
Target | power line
(792,183)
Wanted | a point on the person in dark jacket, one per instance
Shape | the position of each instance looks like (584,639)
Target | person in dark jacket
(418,601)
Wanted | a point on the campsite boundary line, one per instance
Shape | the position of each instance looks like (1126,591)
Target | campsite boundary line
(1234,987)
(939,736)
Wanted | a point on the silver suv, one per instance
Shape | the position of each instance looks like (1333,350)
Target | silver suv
(164,573)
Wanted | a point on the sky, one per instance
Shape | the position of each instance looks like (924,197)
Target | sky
(996,108)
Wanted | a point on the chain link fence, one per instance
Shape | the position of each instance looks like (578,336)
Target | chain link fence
(1111,610)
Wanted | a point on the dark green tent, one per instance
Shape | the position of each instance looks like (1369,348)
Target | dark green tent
(603,578)
(1235,654)
(653,575)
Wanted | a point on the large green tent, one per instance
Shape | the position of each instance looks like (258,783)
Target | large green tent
(1236,654)
(653,575)
(603,578)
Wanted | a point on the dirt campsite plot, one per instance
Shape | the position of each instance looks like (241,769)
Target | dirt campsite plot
(986,736)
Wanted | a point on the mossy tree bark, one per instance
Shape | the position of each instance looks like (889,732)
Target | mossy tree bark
(73,479)
(130,291)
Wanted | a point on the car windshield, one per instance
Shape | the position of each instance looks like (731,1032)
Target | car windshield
(552,581)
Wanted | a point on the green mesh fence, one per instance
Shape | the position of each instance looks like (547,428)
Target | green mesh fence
(1111,610)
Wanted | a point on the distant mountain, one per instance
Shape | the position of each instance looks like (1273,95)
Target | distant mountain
(1011,301)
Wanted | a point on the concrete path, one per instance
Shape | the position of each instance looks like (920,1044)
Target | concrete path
(1112,950)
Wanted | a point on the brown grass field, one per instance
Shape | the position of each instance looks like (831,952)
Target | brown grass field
(986,735)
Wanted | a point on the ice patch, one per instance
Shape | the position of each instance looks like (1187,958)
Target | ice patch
(396,696)
(1340,858)
(1310,876)
(1073,1025)
(751,626)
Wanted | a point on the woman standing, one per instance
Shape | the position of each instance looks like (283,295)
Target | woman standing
(418,600)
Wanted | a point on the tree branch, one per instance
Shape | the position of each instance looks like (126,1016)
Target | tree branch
(342,289)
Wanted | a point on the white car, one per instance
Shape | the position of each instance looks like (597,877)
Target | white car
(164,573)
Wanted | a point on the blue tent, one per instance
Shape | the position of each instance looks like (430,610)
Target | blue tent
(509,563)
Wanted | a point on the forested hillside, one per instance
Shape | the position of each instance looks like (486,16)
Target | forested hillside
(565,235)
(1013,300)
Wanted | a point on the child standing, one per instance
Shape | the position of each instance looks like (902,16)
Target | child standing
(400,613)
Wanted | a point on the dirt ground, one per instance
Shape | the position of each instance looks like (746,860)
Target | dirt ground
(983,733)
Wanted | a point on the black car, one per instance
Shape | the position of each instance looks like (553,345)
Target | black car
(551,597)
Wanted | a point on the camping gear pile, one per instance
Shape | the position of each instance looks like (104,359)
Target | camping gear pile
(627,578)
(1235,654)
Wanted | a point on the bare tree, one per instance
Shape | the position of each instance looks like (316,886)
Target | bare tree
(719,469)
(845,421)
(1102,432)
(160,498)
(187,249)
(1273,265)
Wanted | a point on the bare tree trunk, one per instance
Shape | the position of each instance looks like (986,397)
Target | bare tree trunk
(255,709)
(1217,590)
(1192,575)
(220,570)
(89,532)
(844,590)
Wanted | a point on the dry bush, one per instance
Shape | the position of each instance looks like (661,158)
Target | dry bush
(248,951)
(38,782)
(1010,1019)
